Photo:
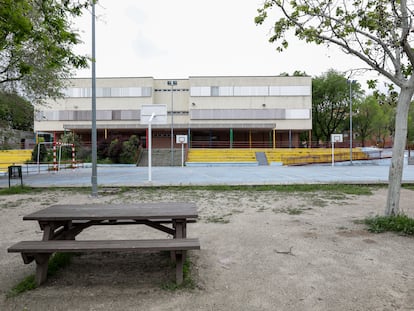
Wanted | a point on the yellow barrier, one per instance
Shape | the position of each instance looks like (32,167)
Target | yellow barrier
(221,155)
(14,157)
(283,155)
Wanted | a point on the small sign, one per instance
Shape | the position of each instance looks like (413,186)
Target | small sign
(181,139)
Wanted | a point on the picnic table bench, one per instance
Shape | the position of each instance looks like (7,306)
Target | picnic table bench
(62,223)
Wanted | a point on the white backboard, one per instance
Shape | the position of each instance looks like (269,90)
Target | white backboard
(337,138)
(181,139)
(160,112)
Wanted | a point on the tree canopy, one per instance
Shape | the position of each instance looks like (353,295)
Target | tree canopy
(36,45)
(15,112)
(379,32)
(330,103)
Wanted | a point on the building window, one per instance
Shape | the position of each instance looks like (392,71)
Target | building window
(109,92)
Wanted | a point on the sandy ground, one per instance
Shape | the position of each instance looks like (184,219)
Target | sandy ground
(261,250)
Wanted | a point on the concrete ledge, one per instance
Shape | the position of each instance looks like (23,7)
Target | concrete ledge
(411,161)
(276,163)
(196,164)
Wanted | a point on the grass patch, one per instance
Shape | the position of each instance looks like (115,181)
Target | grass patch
(339,188)
(290,210)
(408,186)
(188,282)
(27,284)
(17,189)
(57,262)
(294,211)
(217,219)
(400,223)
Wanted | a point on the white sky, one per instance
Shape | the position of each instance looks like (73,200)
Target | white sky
(182,38)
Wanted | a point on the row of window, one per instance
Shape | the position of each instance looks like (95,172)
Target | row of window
(197,114)
(195,91)
(109,92)
(299,90)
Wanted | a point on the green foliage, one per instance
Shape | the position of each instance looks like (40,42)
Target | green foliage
(27,284)
(41,149)
(17,190)
(350,189)
(129,152)
(36,42)
(15,112)
(400,223)
(118,150)
(376,31)
(371,119)
(330,104)
(56,263)
(115,150)
(188,282)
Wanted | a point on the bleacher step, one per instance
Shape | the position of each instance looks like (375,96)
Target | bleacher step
(261,158)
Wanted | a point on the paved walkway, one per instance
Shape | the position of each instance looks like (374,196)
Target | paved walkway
(109,176)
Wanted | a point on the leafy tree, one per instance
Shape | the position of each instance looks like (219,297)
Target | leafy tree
(330,104)
(15,112)
(379,32)
(40,151)
(115,150)
(36,42)
(369,119)
(129,152)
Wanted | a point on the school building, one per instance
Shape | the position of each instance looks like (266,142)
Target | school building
(213,111)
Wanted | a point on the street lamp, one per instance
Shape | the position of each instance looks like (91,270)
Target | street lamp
(172,83)
(350,119)
(94,178)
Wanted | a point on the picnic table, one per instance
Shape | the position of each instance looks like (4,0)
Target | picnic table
(62,223)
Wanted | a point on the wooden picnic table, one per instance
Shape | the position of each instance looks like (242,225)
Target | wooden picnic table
(62,223)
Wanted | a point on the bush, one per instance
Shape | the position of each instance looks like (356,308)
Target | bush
(399,223)
(42,154)
(129,153)
(114,151)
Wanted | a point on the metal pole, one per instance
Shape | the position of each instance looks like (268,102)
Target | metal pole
(94,178)
(350,120)
(150,147)
(172,83)
(172,124)
(182,155)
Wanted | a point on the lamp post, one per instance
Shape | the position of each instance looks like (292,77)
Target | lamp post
(350,119)
(94,178)
(172,83)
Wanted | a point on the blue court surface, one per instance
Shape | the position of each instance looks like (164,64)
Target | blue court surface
(116,176)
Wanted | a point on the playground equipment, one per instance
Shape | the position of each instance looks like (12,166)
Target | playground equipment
(57,154)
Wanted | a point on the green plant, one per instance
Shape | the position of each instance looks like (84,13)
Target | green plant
(217,219)
(27,284)
(188,282)
(16,190)
(400,223)
(408,186)
(57,262)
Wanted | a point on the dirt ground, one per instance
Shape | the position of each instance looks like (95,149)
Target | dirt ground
(261,250)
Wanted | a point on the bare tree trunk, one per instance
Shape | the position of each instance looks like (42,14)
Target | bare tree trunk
(397,162)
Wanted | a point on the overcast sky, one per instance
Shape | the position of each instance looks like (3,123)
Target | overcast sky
(182,38)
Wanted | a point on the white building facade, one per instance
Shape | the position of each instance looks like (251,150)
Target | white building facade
(214,111)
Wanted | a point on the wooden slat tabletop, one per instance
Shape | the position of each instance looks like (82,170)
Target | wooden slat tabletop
(163,210)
